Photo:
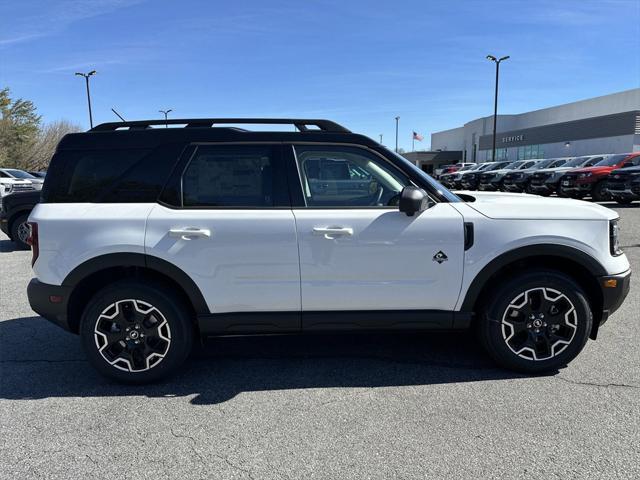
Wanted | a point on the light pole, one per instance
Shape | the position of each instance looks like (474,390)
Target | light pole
(86,78)
(495,102)
(380,139)
(397,120)
(166,112)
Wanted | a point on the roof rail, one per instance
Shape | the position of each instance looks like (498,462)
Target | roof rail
(300,124)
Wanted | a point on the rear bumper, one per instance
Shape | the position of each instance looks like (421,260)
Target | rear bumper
(50,302)
(614,294)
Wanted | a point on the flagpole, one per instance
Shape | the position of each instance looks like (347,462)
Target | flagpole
(413,143)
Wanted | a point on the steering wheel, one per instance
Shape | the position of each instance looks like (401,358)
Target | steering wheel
(378,196)
(394,201)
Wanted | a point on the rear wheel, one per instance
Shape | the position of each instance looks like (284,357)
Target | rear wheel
(20,232)
(536,322)
(624,201)
(136,333)
(599,192)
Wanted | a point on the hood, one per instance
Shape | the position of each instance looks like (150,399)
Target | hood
(519,206)
(556,169)
(626,171)
(593,169)
(15,181)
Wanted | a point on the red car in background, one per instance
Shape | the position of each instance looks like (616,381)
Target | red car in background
(593,180)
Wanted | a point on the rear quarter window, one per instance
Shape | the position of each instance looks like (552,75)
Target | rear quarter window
(108,176)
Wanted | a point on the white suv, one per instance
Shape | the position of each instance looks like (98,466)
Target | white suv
(14,180)
(148,238)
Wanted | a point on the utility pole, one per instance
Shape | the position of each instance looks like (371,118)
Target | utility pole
(397,120)
(495,102)
(86,78)
(380,139)
(166,112)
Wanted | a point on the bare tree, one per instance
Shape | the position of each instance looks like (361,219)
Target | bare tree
(42,149)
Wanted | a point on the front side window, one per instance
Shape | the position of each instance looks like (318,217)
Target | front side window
(335,176)
(229,176)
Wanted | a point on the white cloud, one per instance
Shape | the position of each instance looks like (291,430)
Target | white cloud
(28,20)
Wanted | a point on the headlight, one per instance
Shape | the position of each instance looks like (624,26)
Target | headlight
(614,242)
(585,175)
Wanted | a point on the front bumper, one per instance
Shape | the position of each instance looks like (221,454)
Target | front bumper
(50,302)
(624,194)
(515,186)
(4,225)
(615,289)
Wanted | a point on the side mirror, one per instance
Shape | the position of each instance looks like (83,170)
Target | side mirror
(413,200)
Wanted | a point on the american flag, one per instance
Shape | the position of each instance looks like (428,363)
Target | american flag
(417,136)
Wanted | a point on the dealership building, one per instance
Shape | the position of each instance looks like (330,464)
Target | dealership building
(607,124)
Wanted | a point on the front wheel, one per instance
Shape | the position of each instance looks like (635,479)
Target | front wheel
(136,333)
(536,322)
(599,192)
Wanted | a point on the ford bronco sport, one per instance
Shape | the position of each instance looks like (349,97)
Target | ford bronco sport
(147,239)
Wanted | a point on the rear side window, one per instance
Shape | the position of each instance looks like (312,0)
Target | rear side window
(108,176)
(229,176)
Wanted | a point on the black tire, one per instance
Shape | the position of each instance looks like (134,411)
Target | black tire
(624,201)
(599,192)
(168,327)
(564,331)
(19,228)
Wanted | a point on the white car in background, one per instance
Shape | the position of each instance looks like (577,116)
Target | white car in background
(14,180)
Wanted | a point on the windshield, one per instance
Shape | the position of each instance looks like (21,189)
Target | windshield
(514,165)
(451,197)
(499,165)
(18,173)
(611,161)
(575,162)
(485,166)
(541,164)
(466,167)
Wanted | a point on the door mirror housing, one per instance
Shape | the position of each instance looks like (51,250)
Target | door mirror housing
(413,200)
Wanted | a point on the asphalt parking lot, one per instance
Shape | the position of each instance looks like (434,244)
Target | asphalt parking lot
(368,406)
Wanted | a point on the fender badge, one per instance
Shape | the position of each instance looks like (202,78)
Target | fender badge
(440,257)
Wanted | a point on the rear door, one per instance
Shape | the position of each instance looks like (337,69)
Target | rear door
(231,229)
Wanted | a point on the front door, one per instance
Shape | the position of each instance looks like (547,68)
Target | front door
(357,251)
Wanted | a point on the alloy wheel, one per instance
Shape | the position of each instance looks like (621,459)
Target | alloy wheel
(539,324)
(132,335)
(23,232)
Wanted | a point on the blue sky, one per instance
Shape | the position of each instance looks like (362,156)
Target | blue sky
(360,63)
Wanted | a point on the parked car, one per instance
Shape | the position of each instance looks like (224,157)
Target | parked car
(518,181)
(148,238)
(623,185)
(547,180)
(471,180)
(456,181)
(450,168)
(447,178)
(17,174)
(10,183)
(14,213)
(593,180)
(492,181)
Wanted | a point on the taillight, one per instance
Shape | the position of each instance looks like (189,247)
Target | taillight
(33,241)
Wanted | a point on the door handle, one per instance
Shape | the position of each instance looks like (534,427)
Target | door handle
(330,232)
(189,233)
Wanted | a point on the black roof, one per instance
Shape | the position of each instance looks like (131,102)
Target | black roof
(148,133)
